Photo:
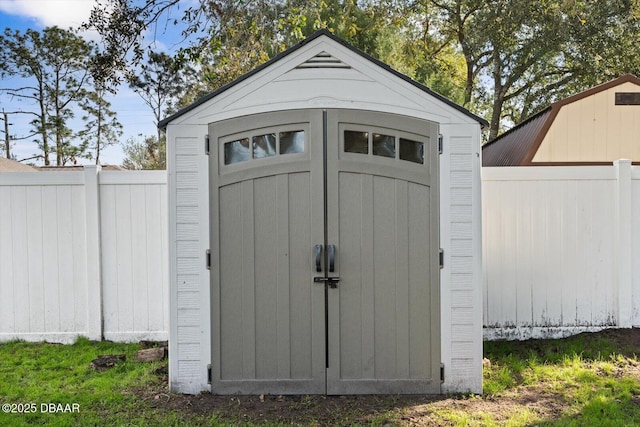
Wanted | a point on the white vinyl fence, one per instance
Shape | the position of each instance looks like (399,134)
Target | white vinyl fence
(83,253)
(561,249)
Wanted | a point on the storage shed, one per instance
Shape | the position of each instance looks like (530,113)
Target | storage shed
(319,243)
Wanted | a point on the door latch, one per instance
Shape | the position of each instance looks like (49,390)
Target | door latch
(331,281)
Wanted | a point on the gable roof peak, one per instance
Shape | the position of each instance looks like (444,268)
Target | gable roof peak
(323,60)
(625,78)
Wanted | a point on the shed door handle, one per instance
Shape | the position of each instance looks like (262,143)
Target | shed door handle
(318,256)
(332,257)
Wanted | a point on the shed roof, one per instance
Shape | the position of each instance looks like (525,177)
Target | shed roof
(7,165)
(321,33)
(518,146)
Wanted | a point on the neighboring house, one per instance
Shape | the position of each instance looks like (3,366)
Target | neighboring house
(561,238)
(7,165)
(596,126)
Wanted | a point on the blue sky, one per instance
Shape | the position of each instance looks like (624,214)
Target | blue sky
(134,115)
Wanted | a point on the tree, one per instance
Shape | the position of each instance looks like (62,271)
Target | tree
(503,59)
(160,82)
(54,64)
(522,54)
(149,153)
(102,128)
(8,138)
(122,23)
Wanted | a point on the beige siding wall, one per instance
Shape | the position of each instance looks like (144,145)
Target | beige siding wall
(594,129)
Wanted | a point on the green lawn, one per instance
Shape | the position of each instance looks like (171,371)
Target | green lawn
(49,373)
(591,379)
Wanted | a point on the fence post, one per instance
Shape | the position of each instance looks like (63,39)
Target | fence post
(94,259)
(623,241)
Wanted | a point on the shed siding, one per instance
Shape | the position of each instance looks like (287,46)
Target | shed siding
(460,239)
(594,129)
(189,351)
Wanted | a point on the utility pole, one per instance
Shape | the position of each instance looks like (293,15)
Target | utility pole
(7,138)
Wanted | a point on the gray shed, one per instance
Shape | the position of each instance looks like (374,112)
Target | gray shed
(319,242)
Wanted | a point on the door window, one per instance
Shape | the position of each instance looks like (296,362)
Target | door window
(383,145)
(263,145)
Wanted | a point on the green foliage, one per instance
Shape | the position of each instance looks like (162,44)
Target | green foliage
(523,54)
(161,81)
(54,66)
(102,127)
(146,154)
(502,59)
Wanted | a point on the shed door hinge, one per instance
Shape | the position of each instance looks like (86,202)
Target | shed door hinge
(440,143)
(206,145)
(208,259)
(441,258)
(209,374)
(441,373)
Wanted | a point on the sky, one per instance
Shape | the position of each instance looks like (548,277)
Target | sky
(132,113)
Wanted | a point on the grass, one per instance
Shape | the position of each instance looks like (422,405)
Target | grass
(39,374)
(590,379)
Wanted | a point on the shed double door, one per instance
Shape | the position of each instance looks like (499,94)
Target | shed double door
(324,254)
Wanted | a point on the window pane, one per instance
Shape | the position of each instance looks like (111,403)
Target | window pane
(412,151)
(384,145)
(356,142)
(292,142)
(236,151)
(264,145)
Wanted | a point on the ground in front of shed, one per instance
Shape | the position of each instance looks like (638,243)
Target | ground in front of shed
(588,379)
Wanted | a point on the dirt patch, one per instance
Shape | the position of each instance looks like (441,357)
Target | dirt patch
(297,410)
(537,400)
(349,410)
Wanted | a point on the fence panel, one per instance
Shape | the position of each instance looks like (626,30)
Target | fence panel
(558,245)
(54,285)
(635,244)
(134,251)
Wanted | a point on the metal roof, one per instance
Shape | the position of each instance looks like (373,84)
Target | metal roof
(511,148)
(163,124)
(518,146)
